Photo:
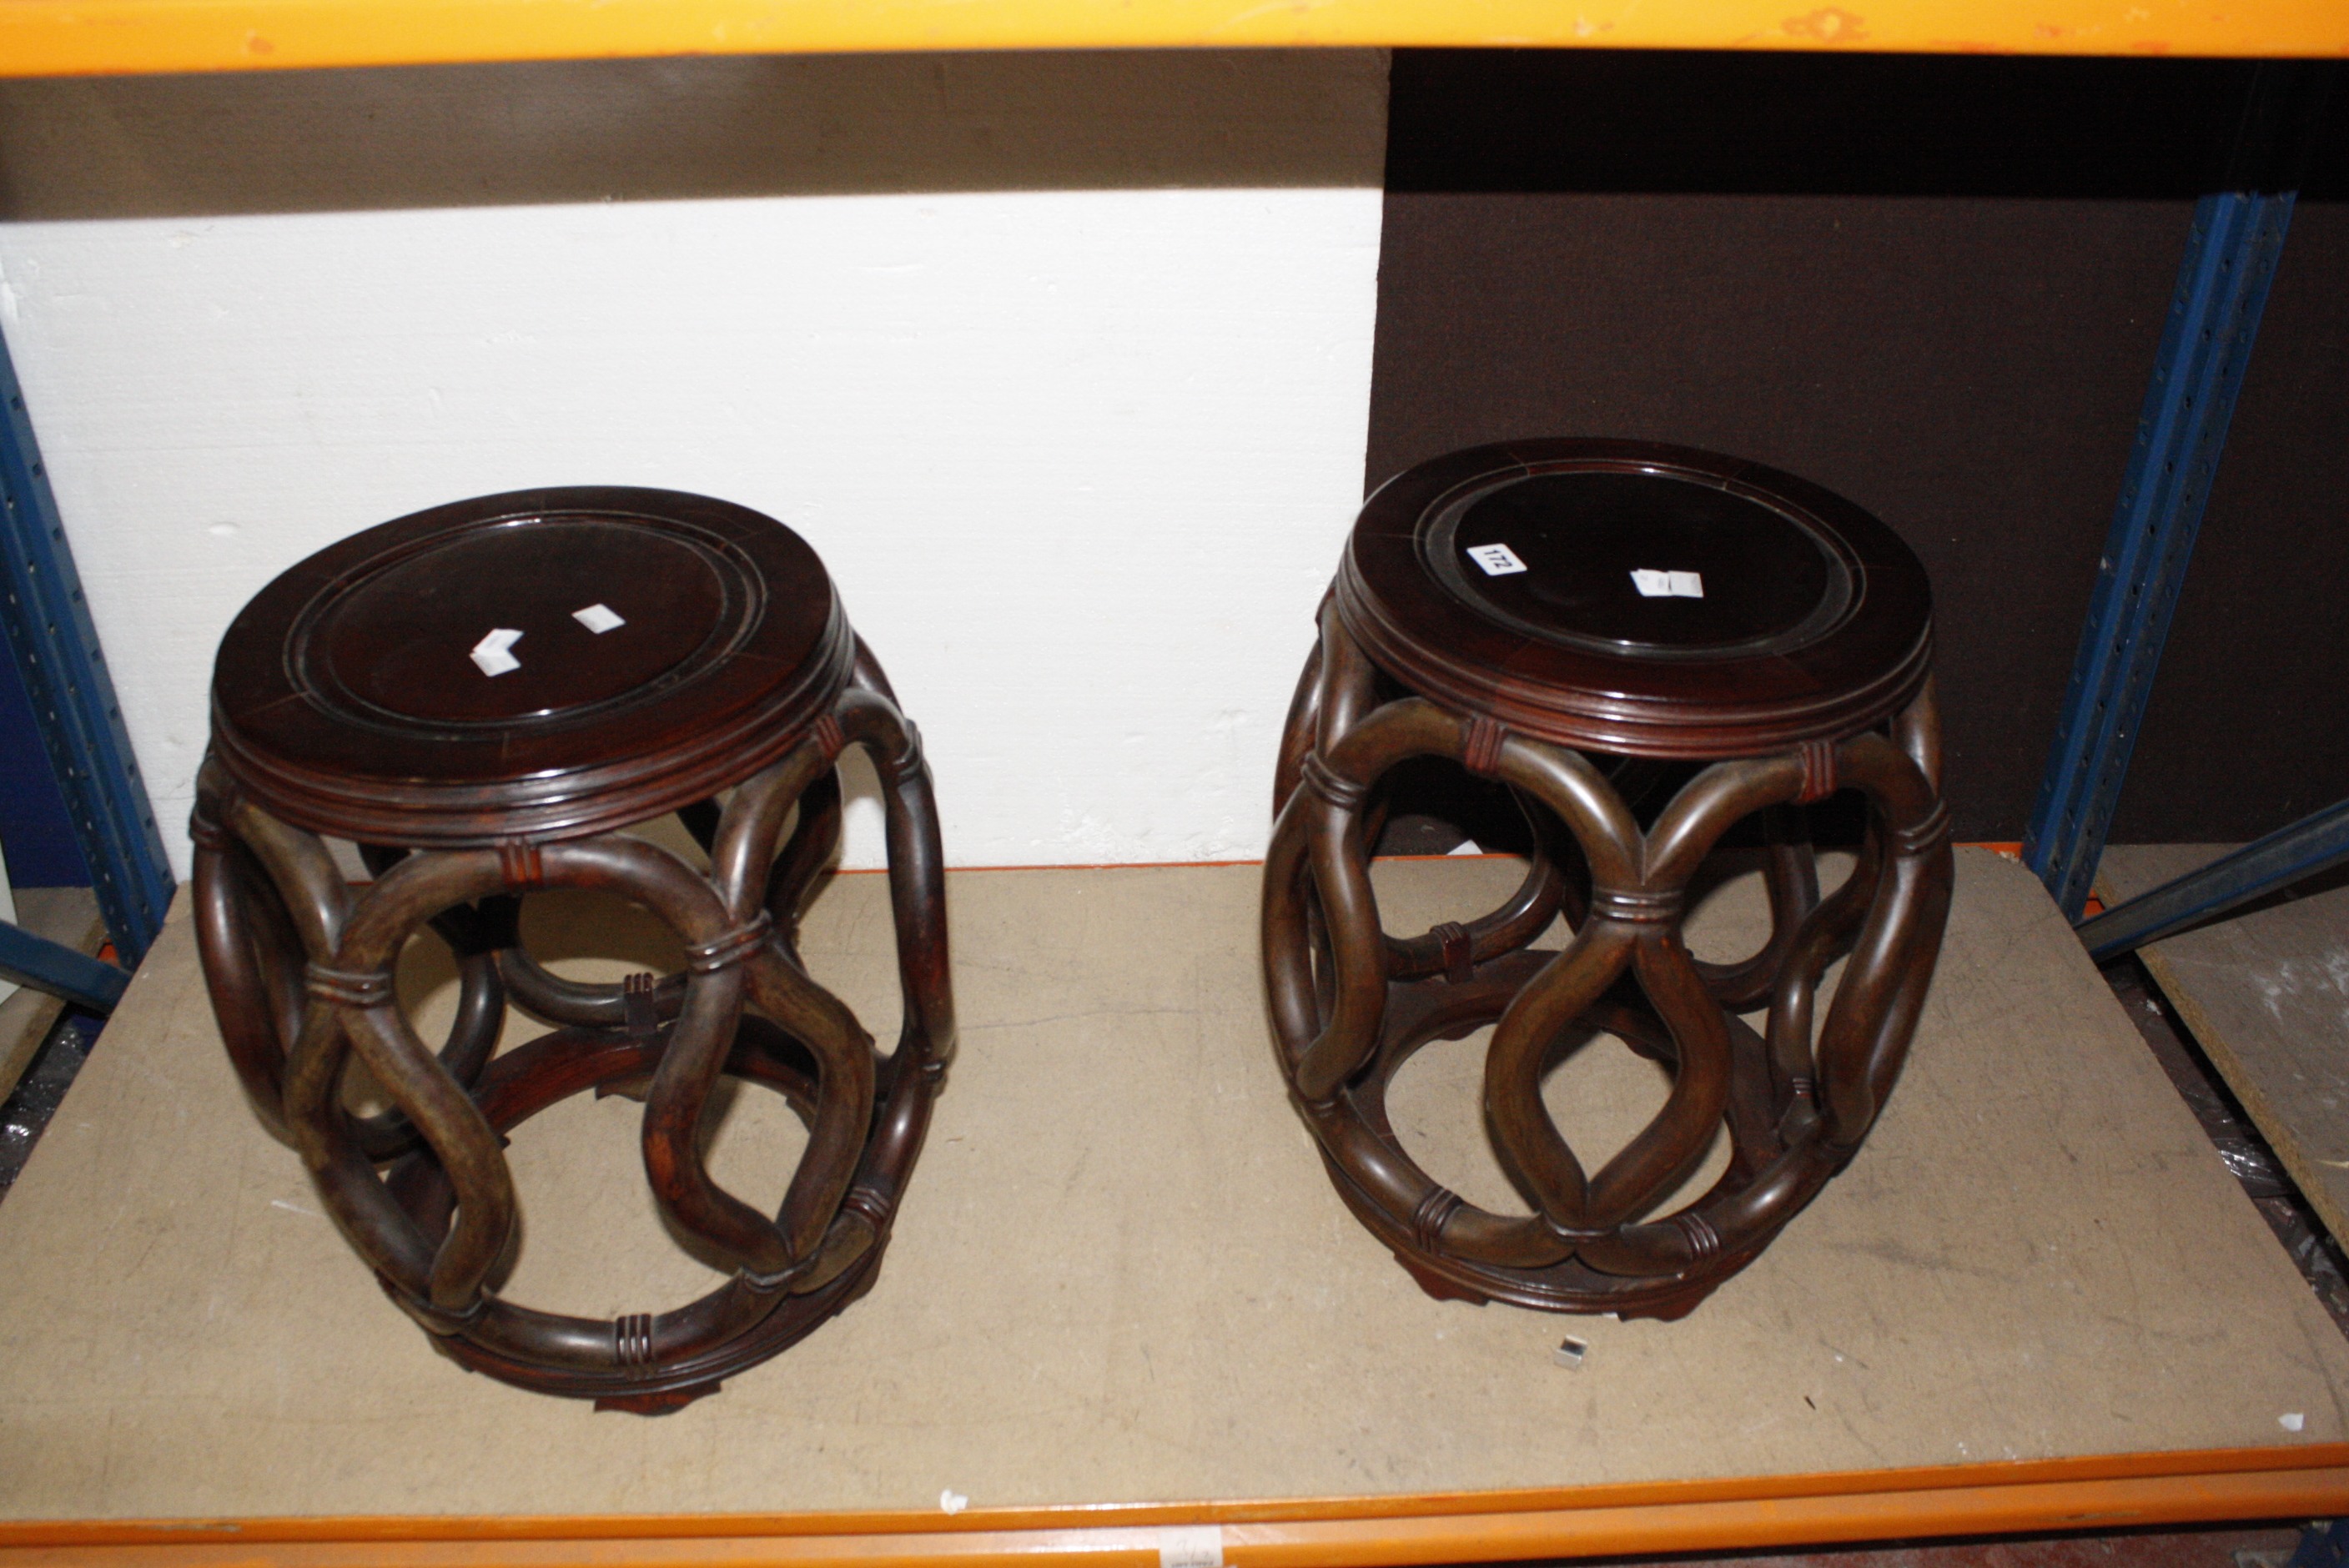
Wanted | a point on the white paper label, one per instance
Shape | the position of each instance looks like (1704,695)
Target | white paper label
(1191,1546)
(598,618)
(1669,585)
(1497,560)
(490,654)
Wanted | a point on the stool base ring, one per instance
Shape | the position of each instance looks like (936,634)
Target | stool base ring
(552,1068)
(1418,1013)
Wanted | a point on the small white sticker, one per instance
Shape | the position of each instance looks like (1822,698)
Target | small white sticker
(598,618)
(490,654)
(1669,585)
(953,1502)
(1497,560)
(2292,1421)
(1191,1546)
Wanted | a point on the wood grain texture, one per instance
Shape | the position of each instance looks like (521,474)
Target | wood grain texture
(1497,610)
(346,698)
(1855,650)
(345,702)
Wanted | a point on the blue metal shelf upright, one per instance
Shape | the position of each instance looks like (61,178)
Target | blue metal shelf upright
(2206,343)
(56,648)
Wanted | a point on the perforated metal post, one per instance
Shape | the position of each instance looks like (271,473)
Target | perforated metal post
(2214,315)
(56,648)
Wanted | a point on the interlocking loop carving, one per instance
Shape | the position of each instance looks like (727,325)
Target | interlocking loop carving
(1351,1002)
(300,971)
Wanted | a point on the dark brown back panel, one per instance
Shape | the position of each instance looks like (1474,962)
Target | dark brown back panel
(1935,285)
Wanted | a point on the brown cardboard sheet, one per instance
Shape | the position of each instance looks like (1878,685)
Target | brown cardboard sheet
(1121,1274)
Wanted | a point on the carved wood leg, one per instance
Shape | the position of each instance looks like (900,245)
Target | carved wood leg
(1351,1002)
(422,1193)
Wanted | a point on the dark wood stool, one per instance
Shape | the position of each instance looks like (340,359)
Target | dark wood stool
(479,696)
(1570,618)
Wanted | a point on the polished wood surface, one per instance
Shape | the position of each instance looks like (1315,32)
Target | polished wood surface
(1553,616)
(1814,623)
(659,649)
(345,699)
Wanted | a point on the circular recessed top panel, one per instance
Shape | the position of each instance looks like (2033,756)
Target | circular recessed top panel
(1642,565)
(1638,598)
(585,610)
(546,663)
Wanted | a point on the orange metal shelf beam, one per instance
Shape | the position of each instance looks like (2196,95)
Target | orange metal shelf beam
(2112,1492)
(61,37)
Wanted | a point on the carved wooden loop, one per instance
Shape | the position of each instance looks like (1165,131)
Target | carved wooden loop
(205,832)
(1924,836)
(521,865)
(440,1282)
(1636,905)
(869,1204)
(1330,787)
(632,1341)
(1435,1211)
(367,988)
(1704,1241)
(1480,751)
(640,1015)
(437,1320)
(1349,1004)
(302,978)
(1819,771)
(729,948)
(1458,950)
(908,758)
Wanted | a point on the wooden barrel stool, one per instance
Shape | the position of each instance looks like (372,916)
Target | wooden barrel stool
(480,695)
(1572,618)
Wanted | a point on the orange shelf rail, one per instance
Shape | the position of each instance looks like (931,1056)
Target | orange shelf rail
(2112,1492)
(58,38)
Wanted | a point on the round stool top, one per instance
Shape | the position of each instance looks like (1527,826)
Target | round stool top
(544,664)
(1630,597)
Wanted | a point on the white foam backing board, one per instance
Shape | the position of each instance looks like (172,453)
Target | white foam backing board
(1081,460)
